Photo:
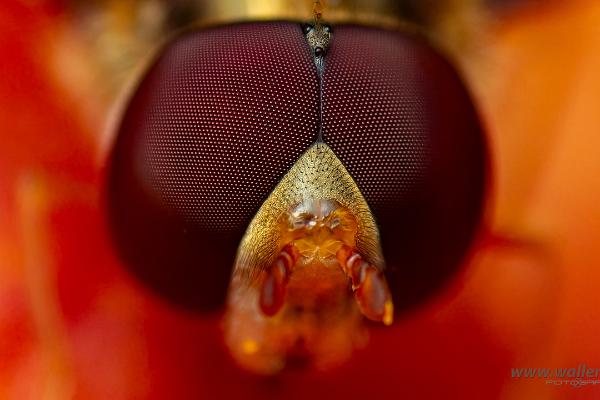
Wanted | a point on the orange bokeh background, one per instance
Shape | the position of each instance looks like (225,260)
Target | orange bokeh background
(75,324)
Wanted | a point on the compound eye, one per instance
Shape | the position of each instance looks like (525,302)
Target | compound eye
(214,124)
(400,119)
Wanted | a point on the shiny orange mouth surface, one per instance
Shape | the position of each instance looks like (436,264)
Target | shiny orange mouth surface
(310,249)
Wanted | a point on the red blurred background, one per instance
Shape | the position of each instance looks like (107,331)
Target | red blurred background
(74,324)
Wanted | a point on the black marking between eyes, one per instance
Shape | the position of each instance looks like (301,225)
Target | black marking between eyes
(318,37)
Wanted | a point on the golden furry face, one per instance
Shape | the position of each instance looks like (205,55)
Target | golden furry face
(308,265)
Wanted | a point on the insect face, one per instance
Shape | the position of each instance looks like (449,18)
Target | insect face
(291,158)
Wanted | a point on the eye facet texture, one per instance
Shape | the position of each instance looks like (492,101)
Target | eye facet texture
(397,115)
(224,113)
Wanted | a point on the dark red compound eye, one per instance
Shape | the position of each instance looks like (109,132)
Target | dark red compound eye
(224,113)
